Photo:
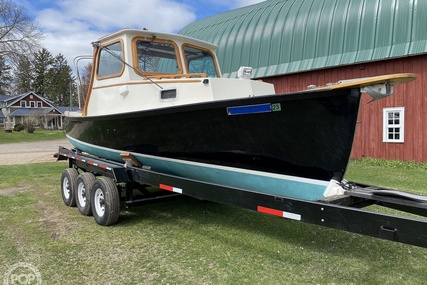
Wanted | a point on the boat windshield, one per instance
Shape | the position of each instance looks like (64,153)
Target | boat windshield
(156,57)
(199,61)
(110,60)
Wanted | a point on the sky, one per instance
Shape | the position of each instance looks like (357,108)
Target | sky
(69,26)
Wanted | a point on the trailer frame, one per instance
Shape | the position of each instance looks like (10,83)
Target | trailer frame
(344,212)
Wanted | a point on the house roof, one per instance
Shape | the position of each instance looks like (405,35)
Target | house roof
(288,36)
(19,97)
(22,112)
(6,98)
(11,100)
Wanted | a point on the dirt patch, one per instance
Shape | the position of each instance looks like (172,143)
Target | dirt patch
(55,221)
(13,190)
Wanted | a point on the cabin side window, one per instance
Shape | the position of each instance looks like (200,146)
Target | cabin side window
(156,57)
(200,61)
(110,60)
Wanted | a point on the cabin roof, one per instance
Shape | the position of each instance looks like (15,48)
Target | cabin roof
(149,34)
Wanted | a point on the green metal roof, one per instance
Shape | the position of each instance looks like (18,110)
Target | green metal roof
(287,36)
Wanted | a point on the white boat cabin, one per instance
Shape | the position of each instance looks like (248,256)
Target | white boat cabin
(137,70)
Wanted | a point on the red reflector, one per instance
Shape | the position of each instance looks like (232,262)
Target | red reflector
(270,211)
(166,187)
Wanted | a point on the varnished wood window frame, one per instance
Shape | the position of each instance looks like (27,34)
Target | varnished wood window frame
(156,40)
(218,75)
(98,60)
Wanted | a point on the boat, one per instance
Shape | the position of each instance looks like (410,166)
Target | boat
(161,98)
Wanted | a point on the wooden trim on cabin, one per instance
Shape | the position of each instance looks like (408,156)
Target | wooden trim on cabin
(147,82)
(92,79)
(175,76)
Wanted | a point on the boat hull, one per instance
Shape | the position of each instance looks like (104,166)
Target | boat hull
(289,144)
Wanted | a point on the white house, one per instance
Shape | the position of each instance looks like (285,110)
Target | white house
(17,109)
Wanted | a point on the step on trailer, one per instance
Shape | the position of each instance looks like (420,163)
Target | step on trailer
(95,186)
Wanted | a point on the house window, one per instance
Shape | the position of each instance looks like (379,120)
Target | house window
(32,104)
(39,104)
(393,125)
(23,104)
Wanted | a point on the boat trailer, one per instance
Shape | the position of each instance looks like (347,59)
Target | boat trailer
(97,189)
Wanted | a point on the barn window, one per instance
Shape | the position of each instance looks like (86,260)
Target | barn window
(393,125)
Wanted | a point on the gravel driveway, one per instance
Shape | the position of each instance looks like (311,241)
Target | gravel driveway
(30,152)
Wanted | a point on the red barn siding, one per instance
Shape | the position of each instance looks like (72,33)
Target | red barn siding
(369,134)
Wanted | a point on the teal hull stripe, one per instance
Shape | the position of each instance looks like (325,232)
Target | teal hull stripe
(270,183)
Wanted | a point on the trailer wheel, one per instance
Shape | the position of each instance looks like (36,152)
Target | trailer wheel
(105,201)
(68,185)
(84,187)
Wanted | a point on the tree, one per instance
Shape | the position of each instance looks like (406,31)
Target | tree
(43,61)
(85,81)
(19,35)
(24,76)
(53,78)
(60,82)
(36,118)
(5,77)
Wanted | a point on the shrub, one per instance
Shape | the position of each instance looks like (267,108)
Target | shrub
(19,127)
(31,128)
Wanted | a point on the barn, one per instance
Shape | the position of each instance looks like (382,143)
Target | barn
(296,43)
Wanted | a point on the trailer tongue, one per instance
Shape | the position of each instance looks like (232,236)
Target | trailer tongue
(99,187)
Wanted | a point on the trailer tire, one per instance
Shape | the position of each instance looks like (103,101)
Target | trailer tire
(105,201)
(84,187)
(68,186)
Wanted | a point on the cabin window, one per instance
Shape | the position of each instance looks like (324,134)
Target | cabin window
(32,104)
(200,61)
(39,104)
(156,57)
(23,104)
(393,125)
(110,60)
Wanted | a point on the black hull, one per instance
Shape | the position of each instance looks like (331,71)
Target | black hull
(306,134)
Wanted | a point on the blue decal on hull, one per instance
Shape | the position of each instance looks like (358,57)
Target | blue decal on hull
(250,109)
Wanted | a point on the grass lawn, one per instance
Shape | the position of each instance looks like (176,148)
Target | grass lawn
(194,242)
(23,136)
